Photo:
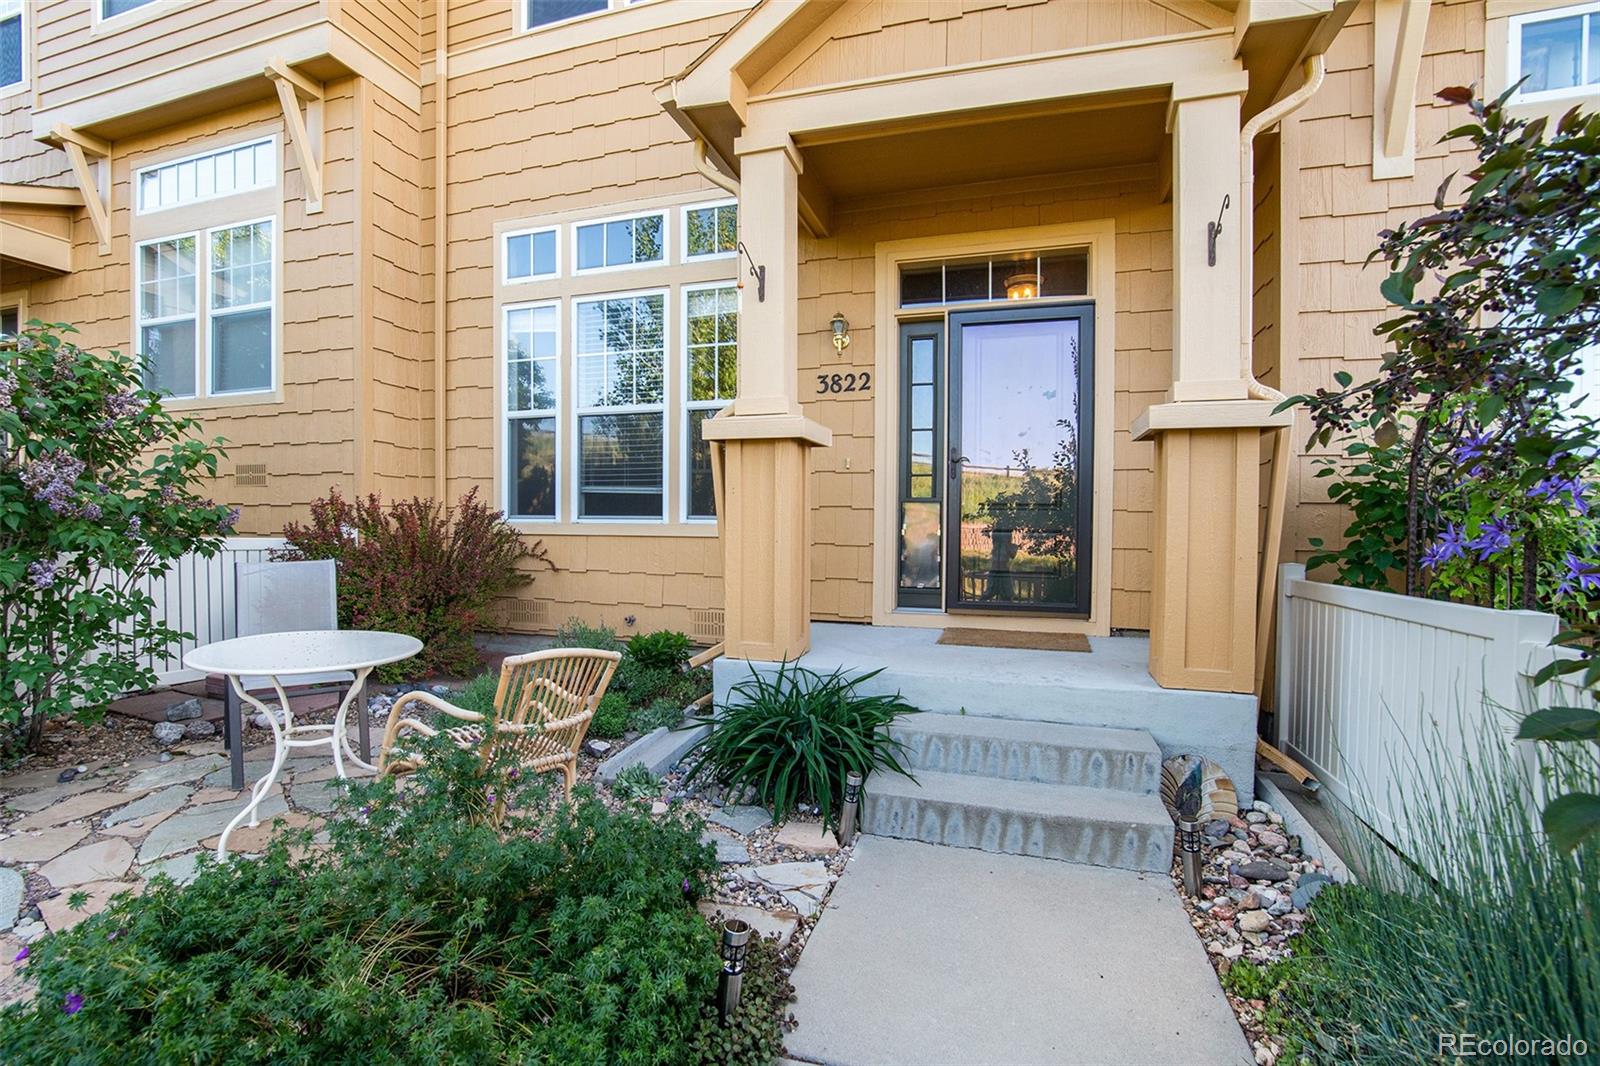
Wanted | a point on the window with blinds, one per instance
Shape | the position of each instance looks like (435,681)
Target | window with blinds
(619,359)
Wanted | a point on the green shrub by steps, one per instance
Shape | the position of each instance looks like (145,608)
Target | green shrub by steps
(791,737)
(662,650)
(611,717)
(421,935)
(1499,937)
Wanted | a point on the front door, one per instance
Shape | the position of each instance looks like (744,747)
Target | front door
(1018,459)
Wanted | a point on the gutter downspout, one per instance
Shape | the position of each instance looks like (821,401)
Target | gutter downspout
(441,241)
(702,163)
(1316,69)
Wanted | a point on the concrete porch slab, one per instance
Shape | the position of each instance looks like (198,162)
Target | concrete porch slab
(934,954)
(1108,686)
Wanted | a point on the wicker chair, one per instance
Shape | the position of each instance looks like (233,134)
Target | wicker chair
(542,710)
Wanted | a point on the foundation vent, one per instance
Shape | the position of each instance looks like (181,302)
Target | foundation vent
(250,475)
(524,615)
(705,624)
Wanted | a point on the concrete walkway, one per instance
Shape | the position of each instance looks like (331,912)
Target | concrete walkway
(929,954)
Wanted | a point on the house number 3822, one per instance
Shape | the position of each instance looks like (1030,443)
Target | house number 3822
(861,382)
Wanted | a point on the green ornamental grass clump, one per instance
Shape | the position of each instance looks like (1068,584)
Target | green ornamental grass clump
(790,738)
(420,935)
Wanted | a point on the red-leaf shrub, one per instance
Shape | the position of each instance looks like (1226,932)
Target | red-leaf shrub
(417,567)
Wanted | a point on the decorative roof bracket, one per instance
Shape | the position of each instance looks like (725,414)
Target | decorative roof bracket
(79,146)
(294,87)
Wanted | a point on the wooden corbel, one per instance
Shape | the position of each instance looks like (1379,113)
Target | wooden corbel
(1398,30)
(294,87)
(79,146)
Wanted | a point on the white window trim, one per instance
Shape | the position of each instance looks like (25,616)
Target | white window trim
(507,416)
(683,225)
(508,278)
(650,264)
(689,403)
(22,85)
(100,23)
(138,175)
(663,408)
(612,7)
(1514,53)
(203,310)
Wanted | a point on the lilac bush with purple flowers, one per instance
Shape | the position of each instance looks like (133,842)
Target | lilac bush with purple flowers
(98,490)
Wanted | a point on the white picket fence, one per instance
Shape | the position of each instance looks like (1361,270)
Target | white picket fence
(1373,685)
(195,595)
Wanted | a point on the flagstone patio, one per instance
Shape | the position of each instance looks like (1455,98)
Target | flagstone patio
(115,825)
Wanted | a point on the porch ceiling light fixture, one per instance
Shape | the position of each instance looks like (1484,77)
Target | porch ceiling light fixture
(841,332)
(1024,286)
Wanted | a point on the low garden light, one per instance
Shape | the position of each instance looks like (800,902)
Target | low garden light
(1189,850)
(847,815)
(735,945)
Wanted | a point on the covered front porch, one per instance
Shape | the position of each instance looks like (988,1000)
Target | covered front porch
(1033,157)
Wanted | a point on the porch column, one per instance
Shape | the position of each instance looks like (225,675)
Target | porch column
(764,506)
(1207,437)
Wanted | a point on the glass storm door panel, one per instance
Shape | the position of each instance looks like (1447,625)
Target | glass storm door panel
(921,491)
(1019,459)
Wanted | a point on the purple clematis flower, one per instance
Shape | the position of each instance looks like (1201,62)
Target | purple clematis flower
(72,1004)
(21,954)
(1450,545)
(1579,576)
(1492,539)
(1554,487)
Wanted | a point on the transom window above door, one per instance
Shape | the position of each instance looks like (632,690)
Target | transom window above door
(1063,272)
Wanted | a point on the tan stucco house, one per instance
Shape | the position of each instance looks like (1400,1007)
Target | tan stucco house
(899,312)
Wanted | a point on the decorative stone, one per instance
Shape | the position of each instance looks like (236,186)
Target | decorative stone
(184,711)
(1308,888)
(165,756)
(59,914)
(181,869)
(184,831)
(11,892)
(72,809)
(597,748)
(167,733)
(782,875)
(1257,921)
(742,819)
(780,924)
(105,861)
(199,730)
(1270,839)
(68,774)
(29,931)
(42,848)
(174,771)
(318,796)
(249,840)
(809,837)
(804,905)
(729,851)
(168,799)
(658,807)
(1260,871)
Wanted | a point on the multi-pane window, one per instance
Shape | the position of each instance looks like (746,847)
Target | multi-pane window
(1057,273)
(241,308)
(168,311)
(710,230)
(619,356)
(534,254)
(621,242)
(236,169)
(13,44)
(113,8)
(1557,53)
(544,12)
(711,354)
(532,338)
(232,323)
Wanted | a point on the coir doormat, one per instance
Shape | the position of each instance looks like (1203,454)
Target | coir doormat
(1002,638)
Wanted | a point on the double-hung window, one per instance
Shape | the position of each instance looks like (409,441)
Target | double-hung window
(533,383)
(711,354)
(1556,53)
(205,298)
(13,46)
(620,356)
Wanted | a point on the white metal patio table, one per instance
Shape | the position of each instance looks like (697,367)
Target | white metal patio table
(296,654)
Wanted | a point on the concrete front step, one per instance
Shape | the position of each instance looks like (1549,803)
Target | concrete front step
(1103,827)
(1127,760)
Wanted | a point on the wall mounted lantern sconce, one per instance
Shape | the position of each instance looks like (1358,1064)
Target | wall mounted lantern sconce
(841,332)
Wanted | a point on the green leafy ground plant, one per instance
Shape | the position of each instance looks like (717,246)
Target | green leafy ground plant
(420,934)
(790,737)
